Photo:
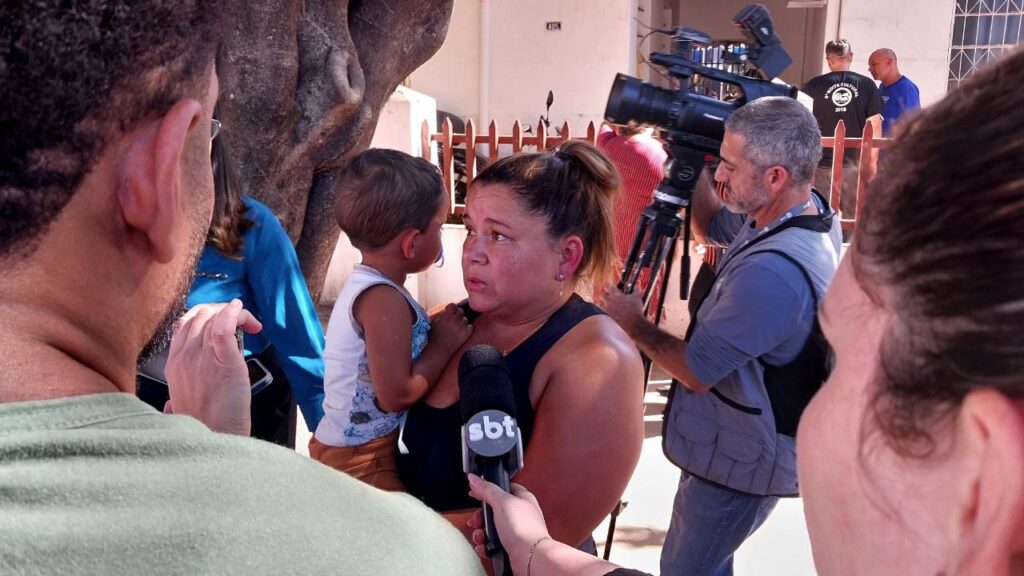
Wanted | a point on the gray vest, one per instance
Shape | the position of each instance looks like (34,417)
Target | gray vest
(718,436)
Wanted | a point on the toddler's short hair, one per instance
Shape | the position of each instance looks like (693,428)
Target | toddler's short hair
(383,192)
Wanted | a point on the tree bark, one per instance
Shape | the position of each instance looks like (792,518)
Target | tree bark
(301,87)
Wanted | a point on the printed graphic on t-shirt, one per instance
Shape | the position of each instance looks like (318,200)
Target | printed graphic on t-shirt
(841,95)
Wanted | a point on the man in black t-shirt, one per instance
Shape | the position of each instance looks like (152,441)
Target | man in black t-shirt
(852,98)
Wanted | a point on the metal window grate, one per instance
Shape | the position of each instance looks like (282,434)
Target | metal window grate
(982,31)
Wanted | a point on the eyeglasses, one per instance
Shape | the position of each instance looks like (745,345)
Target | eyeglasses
(215,126)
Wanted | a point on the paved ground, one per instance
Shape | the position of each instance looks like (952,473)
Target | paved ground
(779,548)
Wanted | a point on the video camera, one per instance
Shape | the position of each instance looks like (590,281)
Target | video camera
(692,126)
(690,117)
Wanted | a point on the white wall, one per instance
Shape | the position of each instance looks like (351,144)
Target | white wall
(578,62)
(918,30)
(452,75)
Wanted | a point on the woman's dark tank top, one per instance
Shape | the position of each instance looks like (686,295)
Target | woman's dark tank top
(432,470)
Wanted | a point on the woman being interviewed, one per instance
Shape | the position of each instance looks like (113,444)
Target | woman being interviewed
(539,226)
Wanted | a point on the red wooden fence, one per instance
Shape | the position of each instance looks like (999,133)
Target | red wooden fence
(840,143)
(448,139)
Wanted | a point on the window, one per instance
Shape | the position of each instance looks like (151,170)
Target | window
(982,31)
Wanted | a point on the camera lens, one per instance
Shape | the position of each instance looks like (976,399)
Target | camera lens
(634,100)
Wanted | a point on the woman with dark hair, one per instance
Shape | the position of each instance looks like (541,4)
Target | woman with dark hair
(539,226)
(249,256)
(912,454)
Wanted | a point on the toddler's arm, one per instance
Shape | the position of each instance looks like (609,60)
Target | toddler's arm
(387,321)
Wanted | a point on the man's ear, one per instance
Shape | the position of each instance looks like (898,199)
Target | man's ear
(988,522)
(570,255)
(776,178)
(151,185)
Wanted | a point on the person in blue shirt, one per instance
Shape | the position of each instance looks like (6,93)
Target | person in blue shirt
(899,94)
(249,256)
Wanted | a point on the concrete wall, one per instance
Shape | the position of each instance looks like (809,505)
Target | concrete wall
(578,62)
(918,30)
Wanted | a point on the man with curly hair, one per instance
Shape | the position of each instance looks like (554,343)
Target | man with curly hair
(106,193)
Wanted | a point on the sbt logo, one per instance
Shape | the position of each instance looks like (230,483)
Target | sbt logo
(493,430)
(491,433)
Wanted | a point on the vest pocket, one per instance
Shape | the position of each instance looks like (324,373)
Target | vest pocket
(694,442)
(737,460)
(717,454)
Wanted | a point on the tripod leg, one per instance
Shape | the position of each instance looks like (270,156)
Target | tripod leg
(663,251)
(633,265)
(659,303)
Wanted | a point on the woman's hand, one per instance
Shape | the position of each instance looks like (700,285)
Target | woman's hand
(517,517)
(521,529)
(206,373)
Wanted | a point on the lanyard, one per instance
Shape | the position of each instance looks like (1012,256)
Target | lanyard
(773,225)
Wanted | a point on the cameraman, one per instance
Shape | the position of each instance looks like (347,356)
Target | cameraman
(727,427)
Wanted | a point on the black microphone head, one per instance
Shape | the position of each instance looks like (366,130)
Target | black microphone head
(484,382)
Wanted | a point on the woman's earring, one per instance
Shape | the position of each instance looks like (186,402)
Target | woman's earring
(561,287)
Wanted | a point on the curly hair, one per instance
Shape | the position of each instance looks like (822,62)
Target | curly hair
(940,246)
(72,77)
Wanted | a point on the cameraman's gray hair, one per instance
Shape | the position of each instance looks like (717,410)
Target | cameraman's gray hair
(779,131)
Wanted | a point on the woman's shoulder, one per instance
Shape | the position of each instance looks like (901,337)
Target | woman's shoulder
(257,211)
(595,350)
(266,228)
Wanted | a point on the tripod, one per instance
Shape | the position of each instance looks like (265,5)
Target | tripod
(654,242)
(653,247)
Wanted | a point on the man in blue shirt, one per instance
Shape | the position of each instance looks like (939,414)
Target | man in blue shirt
(899,94)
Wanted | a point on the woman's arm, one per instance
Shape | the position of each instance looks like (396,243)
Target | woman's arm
(283,303)
(588,427)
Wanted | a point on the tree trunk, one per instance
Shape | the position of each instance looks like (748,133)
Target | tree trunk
(301,86)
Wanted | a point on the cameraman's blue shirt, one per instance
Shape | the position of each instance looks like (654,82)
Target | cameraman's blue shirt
(268,281)
(760,305)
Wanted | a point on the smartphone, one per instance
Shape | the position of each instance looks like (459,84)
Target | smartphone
(259,376)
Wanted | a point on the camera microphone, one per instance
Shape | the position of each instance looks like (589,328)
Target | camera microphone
(492,445)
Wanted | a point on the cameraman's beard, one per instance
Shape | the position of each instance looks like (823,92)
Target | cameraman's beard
(756,197)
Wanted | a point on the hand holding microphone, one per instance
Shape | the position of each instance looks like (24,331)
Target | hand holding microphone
(517,516)
(491,443)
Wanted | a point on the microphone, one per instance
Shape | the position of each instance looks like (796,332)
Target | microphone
(492,445)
